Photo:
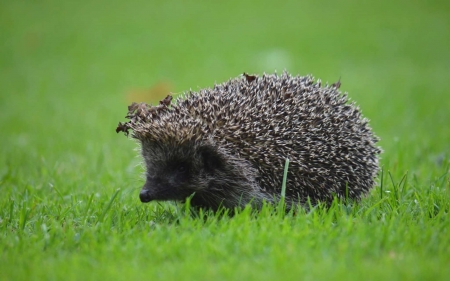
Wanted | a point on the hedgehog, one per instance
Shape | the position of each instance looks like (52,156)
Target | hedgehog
(226,146)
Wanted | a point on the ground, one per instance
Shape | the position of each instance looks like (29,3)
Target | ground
(69,185)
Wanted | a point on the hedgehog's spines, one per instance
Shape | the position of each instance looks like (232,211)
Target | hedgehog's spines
(260,120)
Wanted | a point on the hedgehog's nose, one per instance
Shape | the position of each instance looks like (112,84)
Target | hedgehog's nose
(145,196)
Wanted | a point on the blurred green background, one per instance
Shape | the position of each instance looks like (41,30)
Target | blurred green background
(69,69)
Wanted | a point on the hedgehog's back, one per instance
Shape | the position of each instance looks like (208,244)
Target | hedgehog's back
(329,144)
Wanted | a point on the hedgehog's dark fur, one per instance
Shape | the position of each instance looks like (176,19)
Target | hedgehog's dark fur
(228,145)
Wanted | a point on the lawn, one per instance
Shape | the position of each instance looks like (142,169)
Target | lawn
(69,185)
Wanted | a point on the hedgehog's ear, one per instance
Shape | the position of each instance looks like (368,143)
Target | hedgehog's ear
(211,158)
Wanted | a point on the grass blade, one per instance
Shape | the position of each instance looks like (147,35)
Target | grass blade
(102,216)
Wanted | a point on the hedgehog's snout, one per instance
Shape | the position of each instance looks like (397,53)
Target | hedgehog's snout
(147,193)
(145,196)
(161,189)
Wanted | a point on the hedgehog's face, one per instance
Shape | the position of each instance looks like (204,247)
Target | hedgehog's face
(174,172)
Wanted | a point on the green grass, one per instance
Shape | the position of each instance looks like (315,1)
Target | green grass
(69,207)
